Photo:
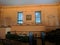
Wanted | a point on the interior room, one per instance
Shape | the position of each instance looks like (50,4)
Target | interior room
(29,22)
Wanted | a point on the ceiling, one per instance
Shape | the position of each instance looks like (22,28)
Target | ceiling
(27,2)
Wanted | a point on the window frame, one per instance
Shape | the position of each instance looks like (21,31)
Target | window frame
(18,19)
(35,17)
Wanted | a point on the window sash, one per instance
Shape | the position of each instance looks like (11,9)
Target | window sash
(20,18)
(37,17)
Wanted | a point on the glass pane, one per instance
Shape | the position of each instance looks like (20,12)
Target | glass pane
(37,16)
(37,20)
(20,17)
(20,22)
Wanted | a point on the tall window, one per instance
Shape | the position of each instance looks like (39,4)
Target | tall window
(20,17)
(37,17)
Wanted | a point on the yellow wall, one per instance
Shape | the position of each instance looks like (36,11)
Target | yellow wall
(59,13)
(48,14)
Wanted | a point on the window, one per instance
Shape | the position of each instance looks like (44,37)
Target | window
(37,17)
(20,17)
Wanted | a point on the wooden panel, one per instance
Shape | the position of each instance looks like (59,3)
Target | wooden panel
(28,28)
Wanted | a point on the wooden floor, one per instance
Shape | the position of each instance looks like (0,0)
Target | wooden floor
(20,43)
